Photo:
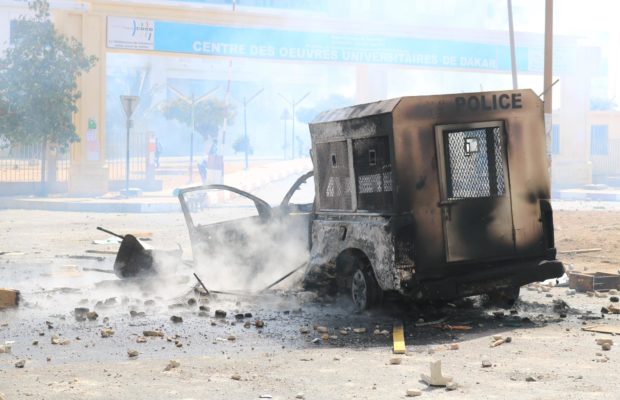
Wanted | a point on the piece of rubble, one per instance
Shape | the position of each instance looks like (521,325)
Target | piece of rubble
(571,292)
(220,314)
(486,363)
(172,364)
(601,342)
(613,309)
(325,337)
(452,386)
(396,360)
(613,299)
(304,330)
(239,316)
(235,377)
(232,338)
(141,339)
(453,346)
(259,323)
(6,347)
(107,332)
(606,346)
(359,330)
(191,301)
(613,291)
(531,379)
(600,295)
(300,396)
(56,340)
(80,313)
(414,393)
(204,308)
(436,378)
(321,329)
(153,333)
(20,364)
(92,315)
(132,353)
(9,298)
(176,319)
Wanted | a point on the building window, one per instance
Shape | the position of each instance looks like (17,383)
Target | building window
(598,140)
(555,139)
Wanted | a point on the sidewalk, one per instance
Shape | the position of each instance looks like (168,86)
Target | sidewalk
(157,202)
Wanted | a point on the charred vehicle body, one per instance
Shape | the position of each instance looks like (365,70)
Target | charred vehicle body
(431,197)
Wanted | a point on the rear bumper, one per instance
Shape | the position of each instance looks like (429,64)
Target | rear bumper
(486,280)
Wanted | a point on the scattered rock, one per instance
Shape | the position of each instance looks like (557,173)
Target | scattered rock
(396,360)
(452,386)
(453,346)
(321,329)
(259,323)
(571,292)
(20,364)
(613,309)
(35,343)
(604,310)
(304,330)
(601,342)
(191,302)
(236,377)
(300,396)
(62,342)
(606,346)
(436,378)
(141,339)
(414,393)
(239,316)
(220,314)
(204,308)
(107,332)
(172,364)
(247,315)
(613,299)
(232,338)
(132,353)
(531,379)
(600,295)
(176,319)
(135,314)
(613,291)
(316,341)
(110,302)
(92,315)
(486,364)
(80,313)
(153,333)
(548,295)
(359,330)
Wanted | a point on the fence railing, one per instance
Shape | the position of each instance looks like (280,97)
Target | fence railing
(22,164)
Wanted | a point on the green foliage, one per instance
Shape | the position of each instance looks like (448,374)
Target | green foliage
(209,115)
(241,143)
(38,86)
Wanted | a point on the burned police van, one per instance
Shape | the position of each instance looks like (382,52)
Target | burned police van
(432,197)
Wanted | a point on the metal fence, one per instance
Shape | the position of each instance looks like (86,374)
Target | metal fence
(116,153)
(22,164)
(607,165)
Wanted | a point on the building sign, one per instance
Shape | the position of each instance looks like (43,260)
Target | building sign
(317,46)
(131,33)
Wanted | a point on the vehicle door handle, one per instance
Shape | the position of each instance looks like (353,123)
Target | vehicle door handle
(446,206)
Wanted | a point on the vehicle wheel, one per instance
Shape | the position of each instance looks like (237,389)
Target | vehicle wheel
(365,291)
(505,298)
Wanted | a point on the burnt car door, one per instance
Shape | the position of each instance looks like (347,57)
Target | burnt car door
(241,242)
(475,191)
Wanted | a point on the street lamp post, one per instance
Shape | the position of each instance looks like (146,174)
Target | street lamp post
(129,104)
(245,125)
(192,102)
(293,104)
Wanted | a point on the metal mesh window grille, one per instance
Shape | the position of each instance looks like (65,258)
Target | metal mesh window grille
(333,176)
(475,163)
(373,169)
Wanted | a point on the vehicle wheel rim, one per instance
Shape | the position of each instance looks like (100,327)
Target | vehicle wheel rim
(359,290)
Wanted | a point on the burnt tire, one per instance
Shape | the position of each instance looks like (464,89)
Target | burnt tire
(365,291)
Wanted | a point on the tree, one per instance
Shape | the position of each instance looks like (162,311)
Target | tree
(209,115)
(38,81)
